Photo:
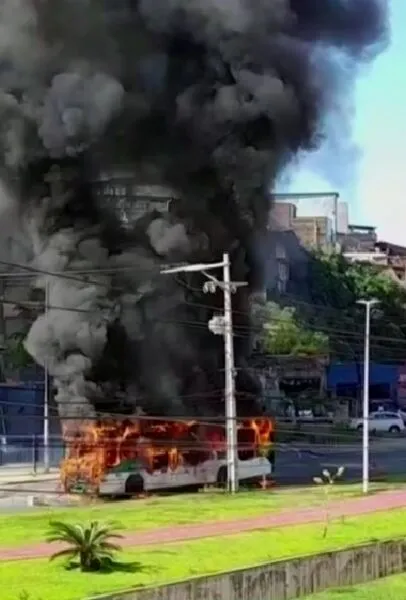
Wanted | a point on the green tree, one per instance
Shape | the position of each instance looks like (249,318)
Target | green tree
(282,333)
(335,287)
(90,544)
(15,354)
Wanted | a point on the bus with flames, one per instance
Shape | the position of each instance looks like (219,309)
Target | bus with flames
(133,456)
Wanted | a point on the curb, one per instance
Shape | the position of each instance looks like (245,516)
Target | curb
(28,479)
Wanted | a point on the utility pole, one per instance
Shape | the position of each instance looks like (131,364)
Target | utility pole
(223,325)
(46,395)
(365,404)
(231,413)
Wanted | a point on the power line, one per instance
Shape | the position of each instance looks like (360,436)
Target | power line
(71,275)
(238,328)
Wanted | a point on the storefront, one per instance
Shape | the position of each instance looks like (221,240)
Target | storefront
(293,384)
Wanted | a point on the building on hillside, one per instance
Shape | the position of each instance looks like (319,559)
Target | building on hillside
(284,263)
(282,216)
(358,238)
(395,266)
(130,199)
(314,233)
(315,218)
(342,218)
(361,245)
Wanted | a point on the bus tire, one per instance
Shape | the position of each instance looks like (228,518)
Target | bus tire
(222,476)
(134,485)
(271,458)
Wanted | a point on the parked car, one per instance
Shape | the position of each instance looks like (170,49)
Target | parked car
(382,421)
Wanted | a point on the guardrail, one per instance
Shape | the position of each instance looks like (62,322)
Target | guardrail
(28,452)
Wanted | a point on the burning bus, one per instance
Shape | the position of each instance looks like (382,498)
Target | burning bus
(132,456)
(212,105)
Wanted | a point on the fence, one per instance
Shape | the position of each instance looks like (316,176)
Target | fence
(285,579)
(27,452)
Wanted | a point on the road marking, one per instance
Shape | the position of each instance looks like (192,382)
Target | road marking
(348,465)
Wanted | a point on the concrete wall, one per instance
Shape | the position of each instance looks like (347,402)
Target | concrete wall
(285,579)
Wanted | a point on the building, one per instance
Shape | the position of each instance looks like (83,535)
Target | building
(130,199)
(358,239)
(342,218)
(314,232)
(282,216)
(345,382)
(361,245)
(284,262)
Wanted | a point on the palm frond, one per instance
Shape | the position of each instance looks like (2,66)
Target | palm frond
(109,546)
(66,532)
(67,553)
(103,531)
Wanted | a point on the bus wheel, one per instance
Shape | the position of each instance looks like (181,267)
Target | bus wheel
(222,477)
(134,485)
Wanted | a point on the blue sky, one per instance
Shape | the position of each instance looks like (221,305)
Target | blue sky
(378,196)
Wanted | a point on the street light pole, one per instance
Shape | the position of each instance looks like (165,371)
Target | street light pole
(223,325)
(365,403)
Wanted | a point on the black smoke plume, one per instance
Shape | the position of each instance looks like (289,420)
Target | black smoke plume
(210,98)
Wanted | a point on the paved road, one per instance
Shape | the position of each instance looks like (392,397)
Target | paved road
(294,465)
(300,465)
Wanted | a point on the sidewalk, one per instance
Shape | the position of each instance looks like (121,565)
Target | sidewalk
(10,475)
(361,506)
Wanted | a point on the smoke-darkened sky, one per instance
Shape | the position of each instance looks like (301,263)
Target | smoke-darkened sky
(216,97)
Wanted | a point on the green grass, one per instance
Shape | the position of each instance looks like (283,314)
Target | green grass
(137,515)
(50,581)
(388,588)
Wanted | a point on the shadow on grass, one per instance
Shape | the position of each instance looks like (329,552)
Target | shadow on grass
(108,567)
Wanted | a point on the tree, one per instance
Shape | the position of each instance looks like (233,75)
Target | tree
(15,354)
(89,543)
(280,332)
(335,286)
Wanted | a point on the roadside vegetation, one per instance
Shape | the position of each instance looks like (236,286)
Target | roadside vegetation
(51,580)
(20,529)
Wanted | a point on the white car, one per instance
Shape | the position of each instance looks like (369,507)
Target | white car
(382,421)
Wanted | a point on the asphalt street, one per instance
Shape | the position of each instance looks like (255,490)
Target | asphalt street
(299,465)
(294,465)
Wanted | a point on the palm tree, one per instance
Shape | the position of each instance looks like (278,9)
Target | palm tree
(89,543)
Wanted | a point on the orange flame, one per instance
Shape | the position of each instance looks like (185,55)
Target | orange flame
(158,445)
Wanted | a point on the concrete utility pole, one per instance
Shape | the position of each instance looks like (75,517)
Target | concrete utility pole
(223,325)
(365,404)
(46,397)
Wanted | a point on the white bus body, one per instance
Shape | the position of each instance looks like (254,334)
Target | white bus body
(211,471)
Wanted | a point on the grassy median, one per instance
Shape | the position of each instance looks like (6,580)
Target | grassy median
(151,513)
(148,566)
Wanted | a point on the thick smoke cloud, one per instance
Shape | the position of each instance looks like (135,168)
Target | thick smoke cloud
(211,98)
(76,110)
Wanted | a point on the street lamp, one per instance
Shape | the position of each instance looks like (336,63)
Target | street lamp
(365,404)
(223,325)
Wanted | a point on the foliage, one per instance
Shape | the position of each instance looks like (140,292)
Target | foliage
(282,333)
(90,544)
(335,286)
(15,354)
(327,480)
